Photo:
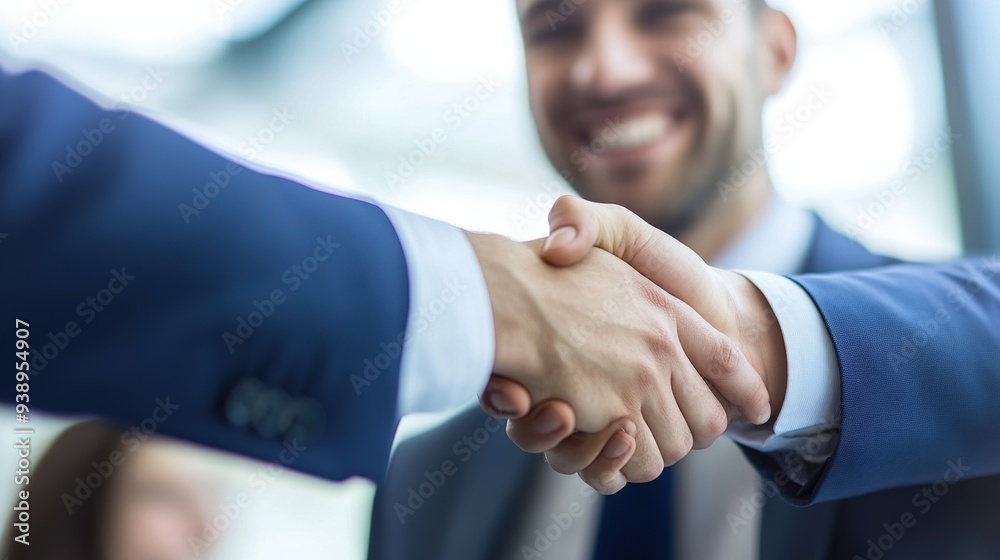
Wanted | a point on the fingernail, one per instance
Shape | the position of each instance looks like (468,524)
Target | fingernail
(765,417)
(615,448)
(500,403)
(547,422)
(562,236)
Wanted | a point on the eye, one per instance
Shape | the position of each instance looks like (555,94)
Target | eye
(552,28)
(654,14)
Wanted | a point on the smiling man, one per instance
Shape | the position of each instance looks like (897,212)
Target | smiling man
(653,105)
(649,105)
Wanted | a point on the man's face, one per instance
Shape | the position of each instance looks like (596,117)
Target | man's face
(645,103)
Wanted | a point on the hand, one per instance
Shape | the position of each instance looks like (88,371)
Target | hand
(729,301)
(622,353)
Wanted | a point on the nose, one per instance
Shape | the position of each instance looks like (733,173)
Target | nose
(612,61)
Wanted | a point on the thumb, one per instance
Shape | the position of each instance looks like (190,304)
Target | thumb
(668,263)
(579,225)
(574,230)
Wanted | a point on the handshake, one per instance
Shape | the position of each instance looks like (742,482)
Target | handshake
(618,350)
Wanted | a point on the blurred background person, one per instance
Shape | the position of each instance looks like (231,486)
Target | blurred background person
(657,105)
(99,495)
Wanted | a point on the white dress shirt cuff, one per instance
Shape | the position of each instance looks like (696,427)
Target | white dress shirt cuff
(449,346)
(810,415)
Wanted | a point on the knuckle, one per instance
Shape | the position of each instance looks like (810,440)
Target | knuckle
(565,207)
(663,341)
(665,304)
(619,211)
(716,423)
(726,359)
(598,480)
(650,472)
(645,471)
(646,374)
(679,450)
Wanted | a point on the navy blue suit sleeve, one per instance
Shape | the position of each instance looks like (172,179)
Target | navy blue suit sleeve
(171,290)
(919,355)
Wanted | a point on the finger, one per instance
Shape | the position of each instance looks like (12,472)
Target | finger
(605,473)
(732,414)
(646,463)
(505,398)
(574,229)
(654,254)
(545,427)
(722,364)
(703,413)
(581,449)
(669,428)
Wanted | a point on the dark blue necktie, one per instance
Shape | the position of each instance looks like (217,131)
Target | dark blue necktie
(637,523)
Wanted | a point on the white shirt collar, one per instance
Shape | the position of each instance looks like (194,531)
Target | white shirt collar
(777,242)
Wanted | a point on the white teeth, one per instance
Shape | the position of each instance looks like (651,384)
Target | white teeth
(633,133)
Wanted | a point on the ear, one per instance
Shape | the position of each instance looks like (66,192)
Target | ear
(780,44)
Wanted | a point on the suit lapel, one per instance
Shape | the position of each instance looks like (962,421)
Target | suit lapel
(833,252)
(480,518)
(464,516)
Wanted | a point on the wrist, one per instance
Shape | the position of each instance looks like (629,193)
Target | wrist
(502,262)
(757,331)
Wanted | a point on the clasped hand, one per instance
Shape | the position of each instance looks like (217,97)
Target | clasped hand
(629,352)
